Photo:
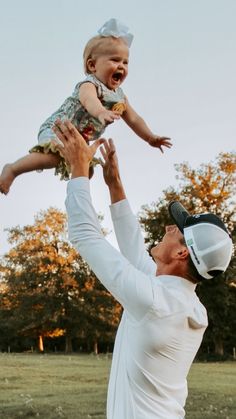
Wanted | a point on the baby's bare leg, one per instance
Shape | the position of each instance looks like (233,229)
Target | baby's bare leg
(28,163)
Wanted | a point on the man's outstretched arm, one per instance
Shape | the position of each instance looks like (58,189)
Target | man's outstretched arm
(126,225)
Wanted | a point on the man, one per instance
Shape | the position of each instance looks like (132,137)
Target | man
(163,321)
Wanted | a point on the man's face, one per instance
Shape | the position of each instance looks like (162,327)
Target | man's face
(170,245)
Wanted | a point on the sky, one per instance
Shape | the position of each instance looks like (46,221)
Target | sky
(181,81)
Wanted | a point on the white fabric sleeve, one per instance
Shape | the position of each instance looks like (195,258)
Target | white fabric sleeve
(131,287)
(129,237)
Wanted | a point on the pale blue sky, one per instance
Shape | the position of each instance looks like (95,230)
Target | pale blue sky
(181,80)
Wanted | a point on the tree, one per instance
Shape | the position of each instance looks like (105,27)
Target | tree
(48,289)
(210,188)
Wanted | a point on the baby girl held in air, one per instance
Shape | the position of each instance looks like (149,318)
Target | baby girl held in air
(97,101)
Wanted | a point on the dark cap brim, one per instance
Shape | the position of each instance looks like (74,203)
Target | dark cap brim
(179,214)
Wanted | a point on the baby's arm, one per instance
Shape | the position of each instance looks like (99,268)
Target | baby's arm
(139,126)
(89,100)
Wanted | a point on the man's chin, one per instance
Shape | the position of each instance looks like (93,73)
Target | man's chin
(154,253)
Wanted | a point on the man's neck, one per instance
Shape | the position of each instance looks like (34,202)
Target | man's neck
(174,270)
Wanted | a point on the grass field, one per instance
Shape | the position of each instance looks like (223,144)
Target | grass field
(74,387)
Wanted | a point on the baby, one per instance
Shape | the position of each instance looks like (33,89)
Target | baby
(97,101)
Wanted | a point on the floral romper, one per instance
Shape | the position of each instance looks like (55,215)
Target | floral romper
(86,124)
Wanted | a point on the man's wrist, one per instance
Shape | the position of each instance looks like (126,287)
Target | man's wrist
(82,170)
(117,192)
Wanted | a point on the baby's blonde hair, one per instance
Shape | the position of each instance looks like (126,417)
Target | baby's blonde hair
(97,46)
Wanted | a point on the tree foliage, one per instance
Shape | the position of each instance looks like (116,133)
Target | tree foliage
(47,288)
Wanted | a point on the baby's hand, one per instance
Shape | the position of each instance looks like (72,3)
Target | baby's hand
(160,142)
(107,116)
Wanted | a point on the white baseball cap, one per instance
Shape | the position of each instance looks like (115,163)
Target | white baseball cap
(207,238)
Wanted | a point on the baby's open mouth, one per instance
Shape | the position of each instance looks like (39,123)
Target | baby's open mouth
(117,76)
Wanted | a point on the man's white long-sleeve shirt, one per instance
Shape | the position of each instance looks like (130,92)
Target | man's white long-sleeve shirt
(163,320)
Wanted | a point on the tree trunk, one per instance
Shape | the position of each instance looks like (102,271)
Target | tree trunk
(88,347)
(68,347)
(95,348)
(40,343)
(219,347)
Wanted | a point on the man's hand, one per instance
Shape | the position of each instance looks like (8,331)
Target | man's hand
(111,172)
(75,150)
(110,162)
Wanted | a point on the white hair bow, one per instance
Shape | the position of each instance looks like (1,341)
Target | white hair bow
(117,29)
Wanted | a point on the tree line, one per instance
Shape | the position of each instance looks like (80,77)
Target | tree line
(51,300)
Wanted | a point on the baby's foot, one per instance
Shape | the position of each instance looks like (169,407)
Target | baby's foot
(6,178)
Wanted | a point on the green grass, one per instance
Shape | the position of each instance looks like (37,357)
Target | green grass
(53,386)
(74,387)
(212,389)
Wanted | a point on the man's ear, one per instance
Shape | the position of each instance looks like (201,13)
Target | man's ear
(91,65)
(182,253)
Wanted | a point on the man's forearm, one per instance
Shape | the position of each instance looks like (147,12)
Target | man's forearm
(117,192)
